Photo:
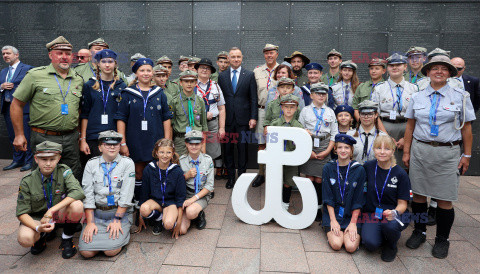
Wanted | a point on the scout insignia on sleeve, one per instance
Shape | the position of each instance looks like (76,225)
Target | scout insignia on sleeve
(394,180)
(332,181)
(211,165)
(170,107)
(159,107)
(204,178)
(67,172)
(411,193)
(132,174)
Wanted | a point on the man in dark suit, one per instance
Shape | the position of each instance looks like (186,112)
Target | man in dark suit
(240,92)
(470,83)
(10,78)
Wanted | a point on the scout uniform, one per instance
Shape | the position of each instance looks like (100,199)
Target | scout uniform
(171,88)
(364,90)
(108,185)
(180,60)
(189,113)
(161,70)
(454,82)
(144,113)
(274,109)
(54,106)
(220,55)
(343,92)
(306,88)
(301,77)
(327,78)
(134,59)
(192,62)
(414,52)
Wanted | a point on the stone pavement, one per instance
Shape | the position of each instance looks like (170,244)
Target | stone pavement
(229,245)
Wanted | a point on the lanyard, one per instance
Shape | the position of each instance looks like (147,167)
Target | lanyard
(432,119)
(145,101)
(105,98)
(318,126)
(189,115)
(60,87)
(269,78)
(107,173)
(342,192)
(163,187)
(384,184)
(49,202)
(345,93)
(366,139)
(398,100)
(93,72)
(197,177)
(371,91)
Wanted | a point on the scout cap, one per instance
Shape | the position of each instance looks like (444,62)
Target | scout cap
(193,137)
(98,42)
(316,66)
(440,60)
(344,108)
(140,62)
(222,54)
(188,75)
(60,43)
(346,139)
(206,62)
(289,99)
(286,64)
(47,149)
(396,59)
(377,62)
(334,52)
(297,54)
(105,53)
(136,56)
(348,64)
(164,59)
(319,88)
(269,47)
(159,69)
(438,51)
(183,58)
(110,137)
(367,106)
(193,60)
(416,50)
(286,81)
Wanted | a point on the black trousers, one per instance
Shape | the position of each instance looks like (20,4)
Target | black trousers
(234,134)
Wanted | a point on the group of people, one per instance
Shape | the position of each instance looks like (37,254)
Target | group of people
(151,144)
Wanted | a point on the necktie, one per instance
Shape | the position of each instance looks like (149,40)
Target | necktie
(399,95)
(234,81)
(365,146)
(190,112)
(197,178)
(10,74)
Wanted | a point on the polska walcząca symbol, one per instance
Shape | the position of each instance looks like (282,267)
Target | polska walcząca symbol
(274,157)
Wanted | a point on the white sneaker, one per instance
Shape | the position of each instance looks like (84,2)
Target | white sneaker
(285,205)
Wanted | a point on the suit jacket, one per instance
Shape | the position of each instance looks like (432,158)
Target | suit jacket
(242,105)
(18,76)
(472,86)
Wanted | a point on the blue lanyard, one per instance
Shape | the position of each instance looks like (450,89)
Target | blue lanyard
(93,72)
(345,94)
(342,192)
(181,102)
(105,98)
(318,126)
(60,87)
(395,101)
(371,92)
(49,202)
(145,101)
(384,184)
(371,145)
(107,173)
(432,119)
(163,187)
(197,177)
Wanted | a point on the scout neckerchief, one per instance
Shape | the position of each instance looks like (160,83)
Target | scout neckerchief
(163,187)
(432,116)
(205,94)
(379,209)
(398,101)
(331,78)
(108,174)
(64,107)
(346,93)
(342,192)
(414,79)
(191,120)
(49,190)
(269,77)
(318,126)
(197,177)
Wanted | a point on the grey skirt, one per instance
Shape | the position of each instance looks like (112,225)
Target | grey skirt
(203,202)
(433,170)
(397,131)
(213,143)
(101,242)
(314,167)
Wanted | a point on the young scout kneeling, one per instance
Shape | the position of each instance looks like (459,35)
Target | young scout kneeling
(109,183)
(289,104)
(49,190)
(199,174)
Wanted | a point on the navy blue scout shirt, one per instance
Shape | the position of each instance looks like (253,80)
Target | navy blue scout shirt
(140,142)
(93,106)
(397,187)
(175,189)
(354,197)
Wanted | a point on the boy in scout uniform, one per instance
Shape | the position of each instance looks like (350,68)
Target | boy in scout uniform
(160,76)
(188,111)
(54,93)
(171,88)
(298,62)
(416,58)
(334,59)
(222,63)
(192,62)
(376,69)
(274,110)
(49,194)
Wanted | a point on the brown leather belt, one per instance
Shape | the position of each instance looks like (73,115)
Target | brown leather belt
(106,207)
(438,144)
(50,132)
(397,121)
(262,107)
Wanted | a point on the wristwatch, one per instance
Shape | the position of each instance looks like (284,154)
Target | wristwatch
(118,217)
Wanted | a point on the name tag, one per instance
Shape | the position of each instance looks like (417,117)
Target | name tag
(110,200)
(341,210)
(378,213)
(64,109)
(393,115)
(434,130)
(144,125)
(104,119)
(316,142)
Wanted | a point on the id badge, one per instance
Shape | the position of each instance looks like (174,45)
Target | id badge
(434,130)
(393,115)
(341,210)
(110,200)
(64,109)
(104,119)
(144,125)
(378,213)
(316,142)
(188,129)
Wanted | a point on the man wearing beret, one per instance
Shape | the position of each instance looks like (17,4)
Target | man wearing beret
(298,62)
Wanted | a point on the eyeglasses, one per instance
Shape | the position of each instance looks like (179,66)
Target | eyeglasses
(460,68)
(367,115)
(82,57)
(111,145)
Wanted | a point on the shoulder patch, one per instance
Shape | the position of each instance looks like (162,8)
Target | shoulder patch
(66,173)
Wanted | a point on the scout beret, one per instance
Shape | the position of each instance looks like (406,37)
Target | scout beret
(297,54)
(206,62)
(140,62)
(193,60)
(319,88)
(47,149)
(348,64)
(159,69)
(98,42)
(286,64)
(269,47)
(188,75)
(438,51)
(110,137)
(222,54)
(136,56)
(396,59)
(440,60)
(105,53)
(164,59)
(377,62)
(346,139)
(316,66)
(289,99)
(60,43)
(286,81)
(334,52)
(416,50)
(344,108)
(193,137)
(367,106)
(183,58)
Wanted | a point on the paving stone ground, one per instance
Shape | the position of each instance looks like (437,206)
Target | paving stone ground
(229,245)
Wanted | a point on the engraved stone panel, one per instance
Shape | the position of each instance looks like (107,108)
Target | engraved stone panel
(5,18)
(216,16)
(462,44)
(315,44)
(265,16)
(402,41)
(125,44)
(169,16)
(461,18)
(416,17)
(123,16)
(78,16)
(364,16)
(253,43)
(32,46)
(315,16)
(35,16)
(209,43)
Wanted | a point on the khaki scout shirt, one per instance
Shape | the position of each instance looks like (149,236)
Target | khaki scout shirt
(31,198)
(87,71)
(171,90)
(280,122)
(180,114)
(364,92)
(328,79)
(412,77)
(40,88)
(214,76)
(274,111)
(264,79)
(207,172)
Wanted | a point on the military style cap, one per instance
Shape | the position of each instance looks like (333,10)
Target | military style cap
(188,75)
(438,51)
(159,69)
(60,43)
(319,88)
(269,47)
(289,99)
(286,64)
(396,59)
(193,137)
(297,54)
(344,108)
(136,56)
(206,62)
(377,62)
(183,58)
(140,62)
(193,60)
(348,64)
(416,50)
(98,42)
(222,54)
(164,59)
(316,66)
(286,81)
(345,138)
(105,53)
(440,60)
(334,52)
(367,106)
(47,149)
(110,137)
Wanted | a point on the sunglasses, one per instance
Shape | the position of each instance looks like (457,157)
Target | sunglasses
(82,57)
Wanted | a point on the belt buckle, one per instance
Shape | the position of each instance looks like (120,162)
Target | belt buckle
(435,143)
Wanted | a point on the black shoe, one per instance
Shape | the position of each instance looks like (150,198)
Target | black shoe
(259,180)
(212,194)
(200,220)
(388,253)
(68,248)
(230,183)
(432,211)
(157,228)
(416,239)
(39,245)
(26,167)
(12,166)
(440,249)
(319,216)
